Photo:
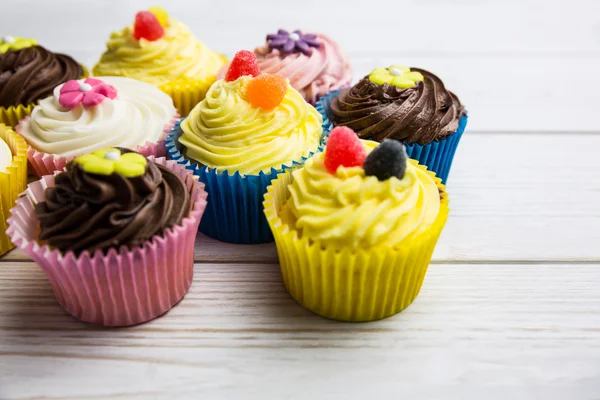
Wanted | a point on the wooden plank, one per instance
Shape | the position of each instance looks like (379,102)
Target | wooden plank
(514,197)
(534,329)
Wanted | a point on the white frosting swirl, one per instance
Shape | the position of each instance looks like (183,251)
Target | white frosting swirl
(5,155)
(137,115)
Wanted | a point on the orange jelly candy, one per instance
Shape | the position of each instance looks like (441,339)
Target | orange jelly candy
(266,91)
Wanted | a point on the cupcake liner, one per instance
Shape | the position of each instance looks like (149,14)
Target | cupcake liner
(123,286)
(350,284)
(12,181)
(437,156)
(46,163)
(186,94)
(11,116)
(234,213)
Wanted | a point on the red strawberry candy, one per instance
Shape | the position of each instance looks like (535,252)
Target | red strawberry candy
(244,63)
(147,27)
(343,149)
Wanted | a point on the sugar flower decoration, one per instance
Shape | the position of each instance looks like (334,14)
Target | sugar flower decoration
(89,92)
(110,160)
(15,43)
(296,41)
(397,75)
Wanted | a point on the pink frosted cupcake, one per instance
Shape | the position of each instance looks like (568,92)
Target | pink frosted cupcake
(114,233)
(86,115)
(314,63)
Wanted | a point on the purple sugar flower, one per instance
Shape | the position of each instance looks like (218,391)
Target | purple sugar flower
(288,43)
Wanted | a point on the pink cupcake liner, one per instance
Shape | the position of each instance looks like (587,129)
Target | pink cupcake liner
(124,286)
(46,163)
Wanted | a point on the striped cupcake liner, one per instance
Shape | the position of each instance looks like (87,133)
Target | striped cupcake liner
(123,286)
(350,283)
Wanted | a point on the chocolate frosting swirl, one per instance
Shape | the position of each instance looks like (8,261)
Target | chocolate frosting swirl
(32,73)
(88,212)
(421,114)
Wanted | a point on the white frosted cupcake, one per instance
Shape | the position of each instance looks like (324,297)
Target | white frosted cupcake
(90,114)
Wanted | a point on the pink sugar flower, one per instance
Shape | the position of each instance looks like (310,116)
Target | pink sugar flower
(90,92)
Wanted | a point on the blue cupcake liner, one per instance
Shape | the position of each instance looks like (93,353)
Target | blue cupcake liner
(234,212)
(437,156)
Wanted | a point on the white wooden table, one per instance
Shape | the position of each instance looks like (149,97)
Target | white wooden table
(510,308)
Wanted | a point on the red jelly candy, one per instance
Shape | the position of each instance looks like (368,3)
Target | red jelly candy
(244,63)
(266,91)
(344,148)
(147,27)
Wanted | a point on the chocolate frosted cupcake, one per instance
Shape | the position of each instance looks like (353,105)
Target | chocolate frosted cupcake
(409,105)
(29,75)
(93,208)
(114,233)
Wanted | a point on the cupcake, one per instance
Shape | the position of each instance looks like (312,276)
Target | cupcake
(248,129)
(313,62)
(406,104)
(13,178)
(29,73)
(162,51)
(114,233)
(355,228)
(87,115)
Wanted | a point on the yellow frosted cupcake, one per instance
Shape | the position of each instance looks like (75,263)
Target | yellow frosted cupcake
(13,178)
(355,228)
(247,130)
(29,73)
(162,51)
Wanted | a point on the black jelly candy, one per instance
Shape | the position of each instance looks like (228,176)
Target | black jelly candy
(386,160)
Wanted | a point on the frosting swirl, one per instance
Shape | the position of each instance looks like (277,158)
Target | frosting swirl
(420,114)
(30,74)
(177,55)
(350,209)
(326,68)
(97,212)
(226,132)
(137,115)
(5,155)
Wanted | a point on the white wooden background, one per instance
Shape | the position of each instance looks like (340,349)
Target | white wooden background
(510,308)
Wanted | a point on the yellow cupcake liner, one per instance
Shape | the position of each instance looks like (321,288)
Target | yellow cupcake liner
(10,116)
(187,93)
(350,284)
(13,181)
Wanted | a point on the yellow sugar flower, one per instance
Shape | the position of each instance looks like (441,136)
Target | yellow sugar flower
(15,43)
(110,160)
(397,75)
